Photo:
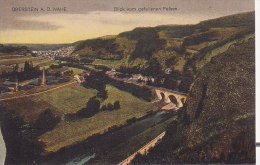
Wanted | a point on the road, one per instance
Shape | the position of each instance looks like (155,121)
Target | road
(37,93)
(79,153)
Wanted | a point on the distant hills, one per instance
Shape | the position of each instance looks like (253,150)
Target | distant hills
(183,49)
(9,49)
(41,46)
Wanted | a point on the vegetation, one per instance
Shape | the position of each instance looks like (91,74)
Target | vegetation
(213,61)
(184,49)
(28,72)
(14,49)
(70,100)
(20,136)
(9,61)
(64,100)
(125,149)
(64,133)
(217,123)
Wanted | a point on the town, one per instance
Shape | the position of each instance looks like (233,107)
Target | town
(52,54)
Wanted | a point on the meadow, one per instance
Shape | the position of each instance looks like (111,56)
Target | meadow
(8,61)
(64,133)
(64,100)
(70,99)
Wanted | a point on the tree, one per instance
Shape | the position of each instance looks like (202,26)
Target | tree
(154,68)
(46,121)
(26,66)
(93,106)
(57,74)
(103,108)
(110,107)
(15,69)
(69,73)
(102,94)
(117,105)
(170,83)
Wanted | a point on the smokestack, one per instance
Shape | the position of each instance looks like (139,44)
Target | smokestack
(43,76)
(16,84)
(16,87)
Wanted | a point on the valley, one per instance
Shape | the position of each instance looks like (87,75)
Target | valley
(98,101)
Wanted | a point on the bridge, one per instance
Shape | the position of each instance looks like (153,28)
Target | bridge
(173,99)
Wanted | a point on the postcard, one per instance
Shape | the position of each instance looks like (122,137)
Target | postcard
(127,82)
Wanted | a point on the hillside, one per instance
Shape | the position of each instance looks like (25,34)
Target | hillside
(212,61)
(217,124)
(182,49)
(11,56)
(71,99)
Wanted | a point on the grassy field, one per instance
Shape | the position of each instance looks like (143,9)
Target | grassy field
(127,148)
(7,61)
(64,133)
(63,69)
(64,100)
(115,64)
(70,99)
(76,70)
(17,60)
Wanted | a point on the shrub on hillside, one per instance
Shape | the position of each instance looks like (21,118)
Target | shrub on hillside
(92,107)
(117,105)
(110,107)
(102,94)
(46,121)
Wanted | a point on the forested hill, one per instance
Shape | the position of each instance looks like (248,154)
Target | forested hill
(8,49)
(182,49)
(217,124)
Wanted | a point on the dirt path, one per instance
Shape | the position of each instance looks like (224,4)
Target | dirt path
(37,93)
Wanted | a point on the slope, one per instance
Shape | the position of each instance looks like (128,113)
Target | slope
(217,123)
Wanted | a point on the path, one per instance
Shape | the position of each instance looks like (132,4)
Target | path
(143,150)
(37,93)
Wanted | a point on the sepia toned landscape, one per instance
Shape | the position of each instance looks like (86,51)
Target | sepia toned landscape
(165,94)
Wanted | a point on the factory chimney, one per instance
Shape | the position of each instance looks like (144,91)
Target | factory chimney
(43,76)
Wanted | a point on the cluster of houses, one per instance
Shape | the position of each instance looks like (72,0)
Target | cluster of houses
(133,78)
(51,54)
(140,78)
(80,78)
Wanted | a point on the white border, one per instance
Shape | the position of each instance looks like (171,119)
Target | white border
(257,82)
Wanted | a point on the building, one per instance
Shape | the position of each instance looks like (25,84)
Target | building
(4,89)
(12,86)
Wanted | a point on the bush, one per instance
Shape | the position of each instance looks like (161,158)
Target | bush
(91,109)
(102,94)
(110,107)
(103,108)
(46,121)
(132,120)
(68,73)
(117,105)
(93,106)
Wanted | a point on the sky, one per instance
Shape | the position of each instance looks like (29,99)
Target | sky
(86,19)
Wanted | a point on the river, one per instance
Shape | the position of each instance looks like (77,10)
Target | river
(83,152)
